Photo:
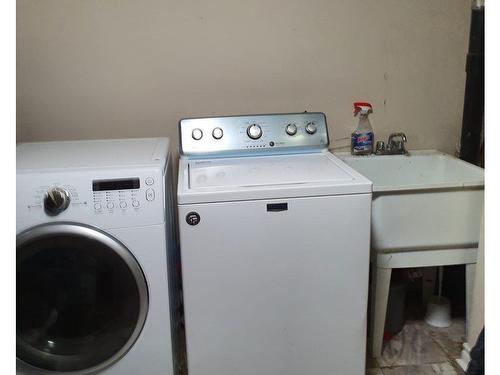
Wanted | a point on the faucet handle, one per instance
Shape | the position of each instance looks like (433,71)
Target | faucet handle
(397,147)
(399,144)
(400,135)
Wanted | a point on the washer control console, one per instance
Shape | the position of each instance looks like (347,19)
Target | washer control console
(110,195)
(253,134)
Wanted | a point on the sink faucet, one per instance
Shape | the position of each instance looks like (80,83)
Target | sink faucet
(399,145)
(393,147)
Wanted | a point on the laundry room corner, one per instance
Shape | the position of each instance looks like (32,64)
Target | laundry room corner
(249,187)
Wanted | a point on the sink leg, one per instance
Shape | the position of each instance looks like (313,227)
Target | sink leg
(470,270)
(381,280)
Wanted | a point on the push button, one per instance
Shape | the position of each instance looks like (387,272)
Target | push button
(150,195)
(123,204)
(217,133)
(197,134)
(110,205)
(149,181)
(311,128)
(135,204)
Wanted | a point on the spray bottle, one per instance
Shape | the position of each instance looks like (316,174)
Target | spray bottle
(362,138)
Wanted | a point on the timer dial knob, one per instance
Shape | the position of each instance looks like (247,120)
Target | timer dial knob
(291,129)
(311,128)
(254,131)
(56,200)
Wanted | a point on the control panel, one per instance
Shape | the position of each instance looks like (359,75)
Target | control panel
(121,194)
(130,197)
(253,134)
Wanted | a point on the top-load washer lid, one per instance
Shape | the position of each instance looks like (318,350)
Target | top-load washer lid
(267,177)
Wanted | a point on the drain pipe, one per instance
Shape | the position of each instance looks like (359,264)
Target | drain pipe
(473,115)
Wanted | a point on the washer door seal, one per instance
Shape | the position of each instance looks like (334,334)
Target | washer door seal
(82,298)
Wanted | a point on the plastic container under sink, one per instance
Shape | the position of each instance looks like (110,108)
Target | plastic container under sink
(438,312)
(438,307)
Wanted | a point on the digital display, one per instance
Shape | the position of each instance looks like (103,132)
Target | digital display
(116,184)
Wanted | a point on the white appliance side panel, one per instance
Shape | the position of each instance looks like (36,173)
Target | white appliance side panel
(277,292)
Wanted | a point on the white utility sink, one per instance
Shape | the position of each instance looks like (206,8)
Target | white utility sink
(426,211)
(424,200)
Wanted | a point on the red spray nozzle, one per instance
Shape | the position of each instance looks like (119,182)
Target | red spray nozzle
(364,107)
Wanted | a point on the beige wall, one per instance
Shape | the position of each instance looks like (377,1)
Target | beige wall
(121,68)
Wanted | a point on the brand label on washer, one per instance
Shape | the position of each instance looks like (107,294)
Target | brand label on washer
(192,218)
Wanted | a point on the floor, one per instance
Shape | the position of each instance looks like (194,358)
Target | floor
(420,349)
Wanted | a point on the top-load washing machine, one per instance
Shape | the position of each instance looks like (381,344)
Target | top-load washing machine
(274,234)
(96,248)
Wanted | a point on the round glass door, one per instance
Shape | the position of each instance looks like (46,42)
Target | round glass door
(82,298)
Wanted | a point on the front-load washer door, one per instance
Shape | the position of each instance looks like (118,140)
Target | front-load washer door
(82,298)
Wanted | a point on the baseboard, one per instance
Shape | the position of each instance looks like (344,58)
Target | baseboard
(464,359)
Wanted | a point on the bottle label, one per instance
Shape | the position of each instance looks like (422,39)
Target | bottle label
(362,141)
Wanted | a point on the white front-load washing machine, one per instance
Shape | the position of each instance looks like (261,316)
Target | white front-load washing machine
(97,291)
(274,234)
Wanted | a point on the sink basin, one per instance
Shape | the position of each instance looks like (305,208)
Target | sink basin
(425,200)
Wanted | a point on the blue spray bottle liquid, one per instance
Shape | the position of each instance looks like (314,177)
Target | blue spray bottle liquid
(362,138)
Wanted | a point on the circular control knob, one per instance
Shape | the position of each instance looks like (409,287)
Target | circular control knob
(123,204)
(197,134)
(56,200)
(110,205)
(311,128)
(254,131)
(135,204)
(291,129)
(217,133)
